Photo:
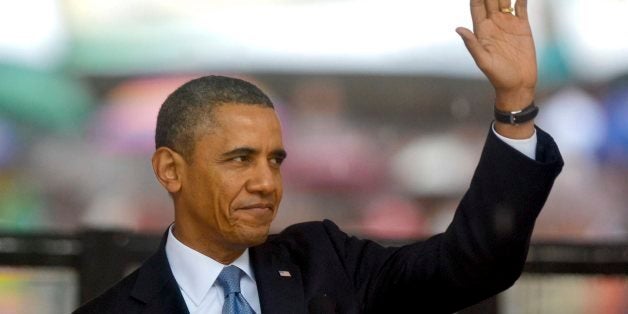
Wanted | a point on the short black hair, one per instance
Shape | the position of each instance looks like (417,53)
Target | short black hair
(192,104)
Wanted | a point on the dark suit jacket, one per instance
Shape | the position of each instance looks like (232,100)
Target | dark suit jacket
(481,253)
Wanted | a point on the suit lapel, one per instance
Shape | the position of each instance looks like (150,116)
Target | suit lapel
(156,286)
(279,281)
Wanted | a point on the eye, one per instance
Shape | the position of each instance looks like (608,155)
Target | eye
(277,161)
(240,159)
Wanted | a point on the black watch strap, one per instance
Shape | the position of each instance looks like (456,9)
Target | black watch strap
(516,117)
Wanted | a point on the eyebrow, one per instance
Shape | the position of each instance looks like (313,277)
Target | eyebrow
(240,151)
(280,152)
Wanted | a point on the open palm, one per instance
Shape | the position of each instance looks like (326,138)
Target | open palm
(502,46)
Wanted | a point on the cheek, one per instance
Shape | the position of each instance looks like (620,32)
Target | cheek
(229,189)
(279,184)
(279,189)
(210,195)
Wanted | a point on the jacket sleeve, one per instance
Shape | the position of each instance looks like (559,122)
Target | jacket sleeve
(484,249)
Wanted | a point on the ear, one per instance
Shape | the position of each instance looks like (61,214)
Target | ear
(168,167)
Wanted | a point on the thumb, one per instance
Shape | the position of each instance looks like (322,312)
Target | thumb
(473,45)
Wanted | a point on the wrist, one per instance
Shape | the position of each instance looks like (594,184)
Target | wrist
(517,117)
(513,100)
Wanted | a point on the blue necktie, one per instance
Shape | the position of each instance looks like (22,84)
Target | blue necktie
(229,280)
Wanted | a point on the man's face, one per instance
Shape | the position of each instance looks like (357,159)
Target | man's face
(231,189)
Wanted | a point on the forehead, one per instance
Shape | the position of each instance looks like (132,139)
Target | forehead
(237,124)
(230,117)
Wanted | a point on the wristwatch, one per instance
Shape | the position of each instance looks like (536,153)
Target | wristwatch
(516,117)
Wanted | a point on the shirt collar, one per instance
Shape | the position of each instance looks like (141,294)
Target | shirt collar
(196,273)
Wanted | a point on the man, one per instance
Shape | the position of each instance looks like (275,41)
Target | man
(219,152)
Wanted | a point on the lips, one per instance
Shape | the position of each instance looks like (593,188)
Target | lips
(257,206)
(256,214)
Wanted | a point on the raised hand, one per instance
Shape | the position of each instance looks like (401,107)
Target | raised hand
(502,46)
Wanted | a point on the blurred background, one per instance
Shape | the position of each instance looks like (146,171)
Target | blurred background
(384,116)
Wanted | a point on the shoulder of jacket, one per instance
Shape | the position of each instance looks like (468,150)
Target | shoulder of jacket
(311,228)
(108,301)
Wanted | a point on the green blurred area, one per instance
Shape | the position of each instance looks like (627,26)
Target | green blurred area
(43,100)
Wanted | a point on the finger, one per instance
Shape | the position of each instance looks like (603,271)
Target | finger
(480,56)
(492,6)
(521,8)
(478,12)
(504,4)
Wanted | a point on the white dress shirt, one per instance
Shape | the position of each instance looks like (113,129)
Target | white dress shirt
(196,275)
(525,146)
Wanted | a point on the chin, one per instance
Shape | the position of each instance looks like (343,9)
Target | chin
(254,236)
(259,240)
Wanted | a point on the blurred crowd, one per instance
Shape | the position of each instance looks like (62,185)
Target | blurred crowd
(75,155)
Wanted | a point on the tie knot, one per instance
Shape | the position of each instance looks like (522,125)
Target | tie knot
(229,279)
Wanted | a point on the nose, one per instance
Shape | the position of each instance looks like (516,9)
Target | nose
(264,179)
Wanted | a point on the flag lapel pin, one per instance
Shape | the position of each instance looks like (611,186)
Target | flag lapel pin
(284,273)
